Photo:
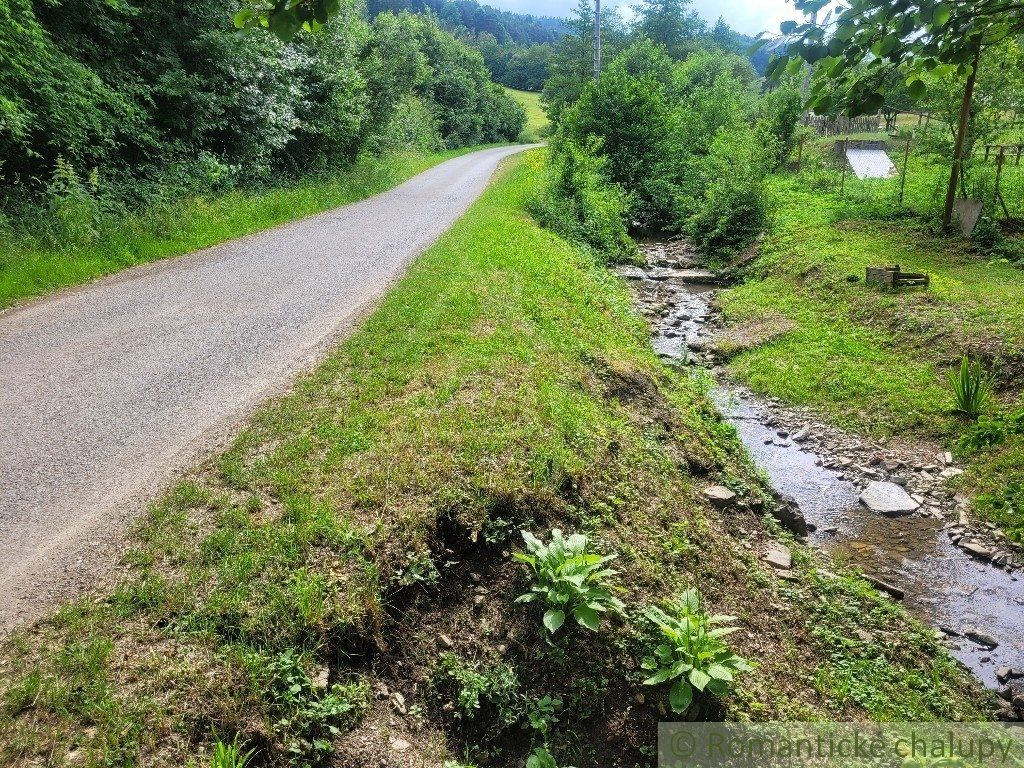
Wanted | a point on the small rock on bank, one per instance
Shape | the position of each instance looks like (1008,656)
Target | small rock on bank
(720,496)
(778,556)
(888,498)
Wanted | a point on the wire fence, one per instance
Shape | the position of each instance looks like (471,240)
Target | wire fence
(920,180)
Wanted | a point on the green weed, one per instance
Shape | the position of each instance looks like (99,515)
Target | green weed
(569,580)
(496,685)
(696,657)
(231,755)
(308,719)
(541,758)
(991,432)
(972,388)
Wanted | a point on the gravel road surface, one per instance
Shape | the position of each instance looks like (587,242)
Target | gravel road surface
(109,389)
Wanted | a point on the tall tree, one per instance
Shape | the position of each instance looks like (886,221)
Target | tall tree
(572,65)
(856,50)
(671,23)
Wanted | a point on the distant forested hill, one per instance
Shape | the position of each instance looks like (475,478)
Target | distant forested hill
(507,27)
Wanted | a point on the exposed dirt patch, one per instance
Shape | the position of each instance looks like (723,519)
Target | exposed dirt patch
(734,339)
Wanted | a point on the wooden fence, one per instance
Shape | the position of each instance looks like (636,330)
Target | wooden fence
(832,126)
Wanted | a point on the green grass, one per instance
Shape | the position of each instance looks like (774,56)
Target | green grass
(874,360)
(30,268)
(505,382)
(537,123)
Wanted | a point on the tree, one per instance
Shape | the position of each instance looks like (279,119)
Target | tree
(670,23)
(529,68)
(572,65)
(856,51)
(723,37)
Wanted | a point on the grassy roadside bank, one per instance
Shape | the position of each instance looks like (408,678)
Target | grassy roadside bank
(29,268)
(877,361)
(338,587)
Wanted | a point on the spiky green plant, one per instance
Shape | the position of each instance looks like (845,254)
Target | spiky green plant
(696,657)
(231,755)
(972,386)
(569,580)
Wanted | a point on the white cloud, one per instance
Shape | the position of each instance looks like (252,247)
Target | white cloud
(747,16)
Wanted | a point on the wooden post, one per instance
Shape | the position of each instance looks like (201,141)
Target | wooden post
(842,181)
(961,137)
(903,176)
(999,175)
(1000,159)
(800,154)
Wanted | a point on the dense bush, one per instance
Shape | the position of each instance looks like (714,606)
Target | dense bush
(581,204)
(683,140)
(629,112)
(155,97)
(733,210)
(776,127)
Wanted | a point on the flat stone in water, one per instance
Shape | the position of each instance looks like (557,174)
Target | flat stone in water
(976,549)
(630,272)
(698,276)
(888,498)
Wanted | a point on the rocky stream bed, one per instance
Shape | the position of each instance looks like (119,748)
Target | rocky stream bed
(881,506)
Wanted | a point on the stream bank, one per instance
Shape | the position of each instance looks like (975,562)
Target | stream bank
(960,578)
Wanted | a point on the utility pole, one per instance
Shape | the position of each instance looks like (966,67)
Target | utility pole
(597,39)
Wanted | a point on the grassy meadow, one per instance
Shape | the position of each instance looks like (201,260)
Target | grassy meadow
(873,360)
(537,123)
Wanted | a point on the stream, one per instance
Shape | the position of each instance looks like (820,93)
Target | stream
(978,606)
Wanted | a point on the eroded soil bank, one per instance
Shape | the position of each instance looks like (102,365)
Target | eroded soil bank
(958,576)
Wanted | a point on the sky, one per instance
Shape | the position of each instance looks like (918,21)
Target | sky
(747,16)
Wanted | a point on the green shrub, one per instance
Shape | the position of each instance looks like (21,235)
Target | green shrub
(733,209)
(695,658)
(991,432)
(972,388)
(579,203)
(569,580)
(504,117)
(776,127)
(494,684)
(677,138)
(987,233)
(73,212)
(166,99)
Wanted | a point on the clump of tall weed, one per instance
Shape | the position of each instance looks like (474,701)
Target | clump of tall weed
(972,388)
(581,204)
(231,755)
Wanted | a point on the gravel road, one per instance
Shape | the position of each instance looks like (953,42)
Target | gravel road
(107,390)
